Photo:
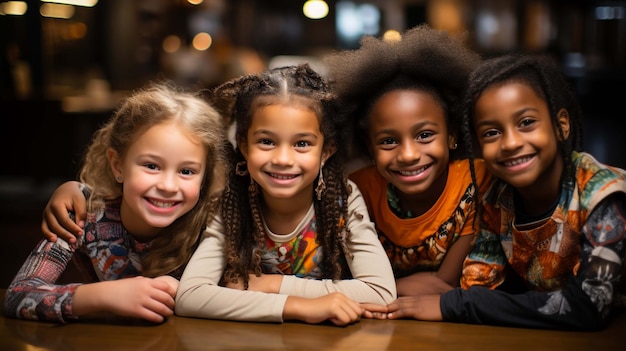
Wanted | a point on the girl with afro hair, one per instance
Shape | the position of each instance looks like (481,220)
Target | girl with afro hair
(403,99)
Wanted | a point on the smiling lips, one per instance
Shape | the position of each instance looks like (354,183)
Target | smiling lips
(517,161)
(282,176)
(413,172)
(162,204)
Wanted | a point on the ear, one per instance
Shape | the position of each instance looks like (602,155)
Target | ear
(563,120)
(452,144)
(328,151)
(115,162)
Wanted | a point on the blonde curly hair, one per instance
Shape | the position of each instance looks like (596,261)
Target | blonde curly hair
(155,104)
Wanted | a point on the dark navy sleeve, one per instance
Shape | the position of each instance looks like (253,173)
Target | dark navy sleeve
(583,304)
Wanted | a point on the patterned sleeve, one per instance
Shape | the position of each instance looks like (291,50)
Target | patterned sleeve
(33,295)
(585,301)
(485,264)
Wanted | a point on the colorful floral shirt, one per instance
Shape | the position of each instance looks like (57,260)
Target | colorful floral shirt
(420,243)
(568,268)
(299,254)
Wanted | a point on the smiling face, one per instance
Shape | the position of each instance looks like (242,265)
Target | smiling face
(517,137)
(284,151)
(409,141)
(162,174)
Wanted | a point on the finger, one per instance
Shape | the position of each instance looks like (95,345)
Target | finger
(394,306)
(162,283)
(46,231)
(59,222)
(396,314)
(374,307)
(80,211)
(353,311)
(164,297)
(62,216)
(51,227)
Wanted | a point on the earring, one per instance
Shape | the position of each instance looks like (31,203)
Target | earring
(321,185)
(119,179)
(454,146)
(241,168)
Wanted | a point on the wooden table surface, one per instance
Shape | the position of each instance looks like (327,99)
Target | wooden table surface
(179,333)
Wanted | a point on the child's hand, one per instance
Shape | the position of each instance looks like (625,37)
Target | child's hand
(374,311)
(137,297)
(173,282)
(56,220)
(335,307)
(424,308)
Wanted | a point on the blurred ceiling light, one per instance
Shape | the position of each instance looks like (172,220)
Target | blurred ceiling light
(195,2)
(85,3)
(315,9)
(392,35)
(171,44)
(57,11)
(16,8)
(202,41)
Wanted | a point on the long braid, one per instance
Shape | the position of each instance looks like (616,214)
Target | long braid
(331,220)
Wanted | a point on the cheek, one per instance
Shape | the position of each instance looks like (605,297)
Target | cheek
(192,190)
(380,156)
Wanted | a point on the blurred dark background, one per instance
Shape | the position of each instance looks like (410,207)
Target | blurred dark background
(64,67)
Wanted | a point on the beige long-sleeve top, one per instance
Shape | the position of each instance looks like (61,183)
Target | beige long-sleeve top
(199,294)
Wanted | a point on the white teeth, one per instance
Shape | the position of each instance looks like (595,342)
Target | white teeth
(282,177)
(412,173)
(161,203)
(517,161)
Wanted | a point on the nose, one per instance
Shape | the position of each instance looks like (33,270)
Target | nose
(409,152)
(168,182)
(283,155)
(511,140)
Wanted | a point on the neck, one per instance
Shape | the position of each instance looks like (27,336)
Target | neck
(137,228)
(282,216)
(541,195)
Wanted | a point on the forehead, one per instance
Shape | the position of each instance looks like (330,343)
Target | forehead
(279,118)
(401,106)
(509,92)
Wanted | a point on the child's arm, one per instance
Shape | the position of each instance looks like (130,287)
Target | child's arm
(445,278)
(32,293)
(199,294)
(68,197)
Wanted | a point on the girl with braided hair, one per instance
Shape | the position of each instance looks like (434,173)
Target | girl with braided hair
(295,241)
(404,98)
(550,248)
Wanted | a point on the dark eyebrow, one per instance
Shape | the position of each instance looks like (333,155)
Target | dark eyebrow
(299,135)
